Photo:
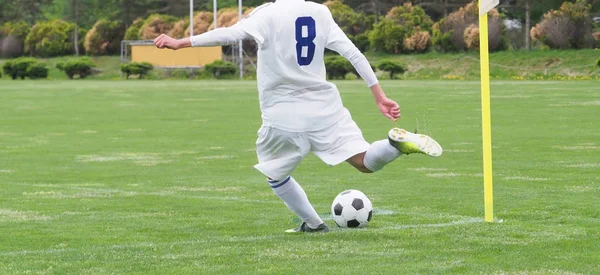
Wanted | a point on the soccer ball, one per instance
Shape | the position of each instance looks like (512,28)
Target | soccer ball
(351,208)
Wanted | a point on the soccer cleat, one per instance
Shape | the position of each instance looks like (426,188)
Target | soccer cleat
(408,143)
(322,228)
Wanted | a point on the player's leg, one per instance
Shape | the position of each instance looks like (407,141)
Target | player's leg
(399,142)
(296,200)
(344,142)
(279,153)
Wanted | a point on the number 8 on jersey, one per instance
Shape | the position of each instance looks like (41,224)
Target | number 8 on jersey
(305,36)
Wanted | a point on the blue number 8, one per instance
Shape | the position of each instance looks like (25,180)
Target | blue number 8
(305,58)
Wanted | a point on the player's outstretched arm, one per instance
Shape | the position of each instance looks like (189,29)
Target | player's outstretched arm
(217,37)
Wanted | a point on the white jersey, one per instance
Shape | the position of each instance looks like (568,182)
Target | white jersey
(293,89)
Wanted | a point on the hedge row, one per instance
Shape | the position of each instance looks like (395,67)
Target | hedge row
(25,67)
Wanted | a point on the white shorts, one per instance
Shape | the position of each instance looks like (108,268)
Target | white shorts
(280,152)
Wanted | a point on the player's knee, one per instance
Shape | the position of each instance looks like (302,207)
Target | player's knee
(362,168)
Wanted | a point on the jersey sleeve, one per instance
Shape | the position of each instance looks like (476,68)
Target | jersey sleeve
(339,42)
(256,24)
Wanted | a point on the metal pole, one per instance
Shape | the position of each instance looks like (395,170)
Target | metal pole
(241,49)
(191,17)
(215,10)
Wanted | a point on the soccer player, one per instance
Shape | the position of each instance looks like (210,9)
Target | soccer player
(301,111)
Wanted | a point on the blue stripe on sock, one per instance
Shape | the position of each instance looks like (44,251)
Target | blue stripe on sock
(272,181)
(280,184)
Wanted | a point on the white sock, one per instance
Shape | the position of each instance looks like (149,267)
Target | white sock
(296,200)
(380,154)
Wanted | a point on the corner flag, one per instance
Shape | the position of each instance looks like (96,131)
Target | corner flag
(487,5)
(488,198)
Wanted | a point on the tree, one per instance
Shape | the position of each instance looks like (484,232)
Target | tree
(568,27)
(402,30)
(27,10)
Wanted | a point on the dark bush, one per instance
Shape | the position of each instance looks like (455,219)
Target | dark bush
(221,68)
(337,67)
(392,67)
(136,68)
(25,67)
(20,66)
(104,38)
(598,62)
(37,70)
(7,68)
(81,67)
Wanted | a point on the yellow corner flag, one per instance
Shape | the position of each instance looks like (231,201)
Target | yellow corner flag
(488,198)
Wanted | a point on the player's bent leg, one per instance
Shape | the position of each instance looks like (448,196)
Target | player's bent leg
(399,142)
(295,199)
(357,161)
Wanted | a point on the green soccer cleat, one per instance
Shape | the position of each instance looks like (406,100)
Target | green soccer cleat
(323,228)
(408,143)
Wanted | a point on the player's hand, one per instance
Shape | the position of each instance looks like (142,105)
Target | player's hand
(164,41)
(389,108)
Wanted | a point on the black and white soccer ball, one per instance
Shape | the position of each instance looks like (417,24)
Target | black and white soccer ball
(352,209)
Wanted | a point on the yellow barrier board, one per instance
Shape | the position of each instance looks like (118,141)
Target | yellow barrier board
(189,57)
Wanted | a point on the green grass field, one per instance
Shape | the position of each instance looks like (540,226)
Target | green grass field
(155,177)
